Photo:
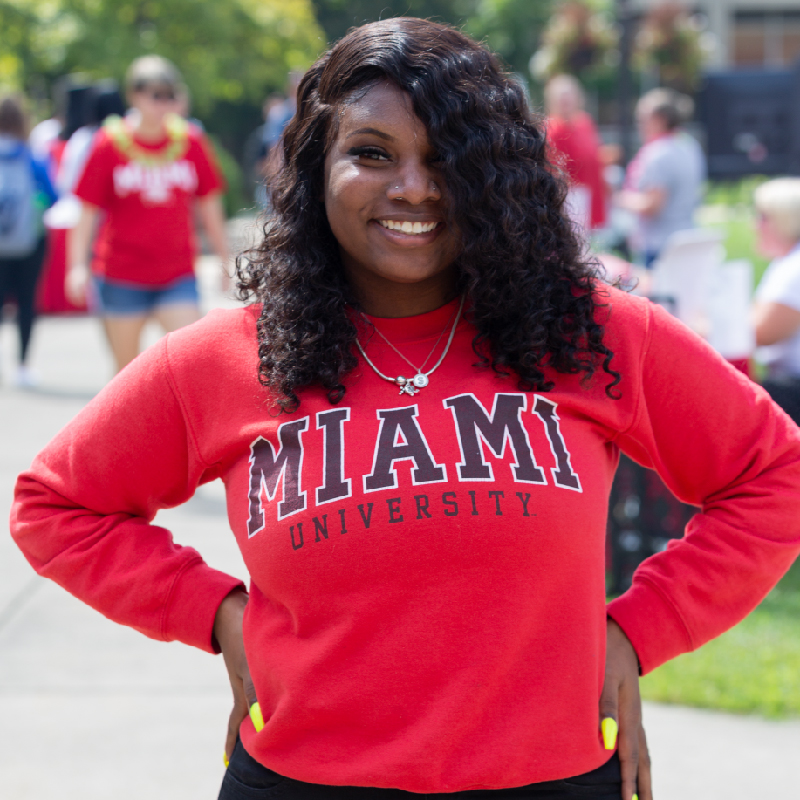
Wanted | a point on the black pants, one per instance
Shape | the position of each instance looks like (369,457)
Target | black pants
(246,779)
(18,278)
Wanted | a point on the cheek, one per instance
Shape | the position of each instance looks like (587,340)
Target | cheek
(348,194)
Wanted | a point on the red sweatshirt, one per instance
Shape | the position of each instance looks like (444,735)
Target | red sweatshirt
(427,599)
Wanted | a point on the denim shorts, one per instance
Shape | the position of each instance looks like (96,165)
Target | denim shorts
(122,299)
(246,779)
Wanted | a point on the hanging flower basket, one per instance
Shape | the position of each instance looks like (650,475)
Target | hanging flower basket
(578,41)
(672,46)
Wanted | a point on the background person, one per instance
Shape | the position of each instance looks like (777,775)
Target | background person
(25,193)
(664,181)
(573,135)
(142,177)
(776,310)
(425,534)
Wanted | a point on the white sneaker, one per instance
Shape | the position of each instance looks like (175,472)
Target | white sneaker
(26,378)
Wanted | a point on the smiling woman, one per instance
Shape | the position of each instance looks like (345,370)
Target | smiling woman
(409,121)
(417,422)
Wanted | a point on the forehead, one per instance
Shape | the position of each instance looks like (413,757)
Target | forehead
(383,106)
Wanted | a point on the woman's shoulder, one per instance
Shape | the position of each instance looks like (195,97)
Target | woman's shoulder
(222,338)
(621,312)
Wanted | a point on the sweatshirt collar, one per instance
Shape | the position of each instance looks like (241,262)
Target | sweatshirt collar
(418,327)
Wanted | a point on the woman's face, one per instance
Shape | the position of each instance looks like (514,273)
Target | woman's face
(769,241)
(386,202)
(650,125)
(154,103)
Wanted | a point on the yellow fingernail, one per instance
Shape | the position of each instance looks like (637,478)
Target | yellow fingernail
(635,797)
(225,759)
(609,729)
(257,716)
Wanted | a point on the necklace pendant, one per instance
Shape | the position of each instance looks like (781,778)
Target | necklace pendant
(409,388)
(420,380)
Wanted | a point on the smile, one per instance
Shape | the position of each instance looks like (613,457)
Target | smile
(411,228)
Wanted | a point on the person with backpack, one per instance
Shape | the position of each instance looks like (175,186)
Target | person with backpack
(25,193)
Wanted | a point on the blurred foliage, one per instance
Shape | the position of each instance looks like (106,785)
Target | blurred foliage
(579,40)
(671,43)
(233,51)
(510,27)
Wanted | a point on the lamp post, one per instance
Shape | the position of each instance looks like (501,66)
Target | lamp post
(625,83)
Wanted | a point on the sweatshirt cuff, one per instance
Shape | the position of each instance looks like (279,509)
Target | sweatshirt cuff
(193,604)
(653,626)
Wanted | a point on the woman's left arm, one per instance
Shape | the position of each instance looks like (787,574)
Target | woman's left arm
(719,443)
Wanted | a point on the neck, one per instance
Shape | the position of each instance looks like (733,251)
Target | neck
(380,298)
(150,131)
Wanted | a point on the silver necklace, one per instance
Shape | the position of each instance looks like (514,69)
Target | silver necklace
(412,386)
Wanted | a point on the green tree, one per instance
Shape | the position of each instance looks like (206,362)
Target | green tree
(510,27)
(227,51)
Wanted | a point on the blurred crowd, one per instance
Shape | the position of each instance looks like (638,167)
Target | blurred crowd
(99,206)
(642,222)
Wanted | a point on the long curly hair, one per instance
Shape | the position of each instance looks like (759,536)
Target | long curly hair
(530,290)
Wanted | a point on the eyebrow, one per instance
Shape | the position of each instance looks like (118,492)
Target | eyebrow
(374,131)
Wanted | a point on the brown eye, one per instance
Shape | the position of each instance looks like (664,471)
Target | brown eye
(370,153)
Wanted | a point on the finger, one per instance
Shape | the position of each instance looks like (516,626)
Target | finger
(645,780)
(630,726)
(629,762)
(237,715)
(253,705)
(609,713)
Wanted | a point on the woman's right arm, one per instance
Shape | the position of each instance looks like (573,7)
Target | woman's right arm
(79,254)
(83,513)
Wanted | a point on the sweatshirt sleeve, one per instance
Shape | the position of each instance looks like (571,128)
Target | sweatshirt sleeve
(83,513)
(719,443)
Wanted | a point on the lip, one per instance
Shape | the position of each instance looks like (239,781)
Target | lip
(408,239)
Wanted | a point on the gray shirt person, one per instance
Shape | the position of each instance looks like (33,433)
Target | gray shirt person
(675,164)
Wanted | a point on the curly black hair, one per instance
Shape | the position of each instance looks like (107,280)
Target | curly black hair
(531,292)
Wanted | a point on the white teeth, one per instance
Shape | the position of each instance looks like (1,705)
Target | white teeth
(412,228)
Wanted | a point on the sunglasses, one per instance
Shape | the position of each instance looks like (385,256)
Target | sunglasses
(159,95)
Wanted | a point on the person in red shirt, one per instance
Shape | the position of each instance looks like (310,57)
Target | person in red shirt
(417,422)
(572,134)
(141,181)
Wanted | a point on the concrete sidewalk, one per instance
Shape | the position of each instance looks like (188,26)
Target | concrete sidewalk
(95,711)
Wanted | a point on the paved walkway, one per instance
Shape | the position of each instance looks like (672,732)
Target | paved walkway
(94,711)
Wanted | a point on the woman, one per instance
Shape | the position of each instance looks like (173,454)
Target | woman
(776,313)
(25,193)
(145,174)
(576,142)
(664,181)
(419,482)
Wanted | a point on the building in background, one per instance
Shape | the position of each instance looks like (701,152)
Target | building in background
(747,33)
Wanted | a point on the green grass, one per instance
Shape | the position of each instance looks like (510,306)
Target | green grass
(730,206)
(753,668)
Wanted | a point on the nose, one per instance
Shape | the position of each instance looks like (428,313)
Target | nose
(416,183)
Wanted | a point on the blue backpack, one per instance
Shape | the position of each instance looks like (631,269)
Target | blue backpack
(19,227)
